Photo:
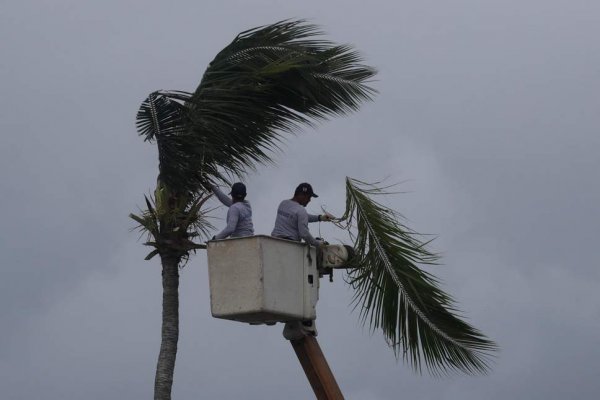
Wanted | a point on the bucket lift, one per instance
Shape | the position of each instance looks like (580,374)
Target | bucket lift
(264,280)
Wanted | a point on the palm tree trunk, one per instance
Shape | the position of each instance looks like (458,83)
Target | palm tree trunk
(170,328)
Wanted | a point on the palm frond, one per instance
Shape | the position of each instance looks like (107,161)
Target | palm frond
(405,302)
(161,114)
(269,81)
(170,222)
(164,118)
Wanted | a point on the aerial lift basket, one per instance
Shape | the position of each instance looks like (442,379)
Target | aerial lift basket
(261,279)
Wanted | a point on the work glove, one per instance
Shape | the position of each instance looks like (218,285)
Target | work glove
(326,217)
(321,242)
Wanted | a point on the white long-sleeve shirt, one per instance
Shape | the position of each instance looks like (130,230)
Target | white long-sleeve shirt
(239,216)
(292,222)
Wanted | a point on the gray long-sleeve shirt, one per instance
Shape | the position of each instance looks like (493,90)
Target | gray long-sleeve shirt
(292,222)
(239,216)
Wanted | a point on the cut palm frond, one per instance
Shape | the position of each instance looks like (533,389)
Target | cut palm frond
(392,293)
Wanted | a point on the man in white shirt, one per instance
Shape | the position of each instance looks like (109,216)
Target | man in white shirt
(292,223)
(239,215)
(292,218)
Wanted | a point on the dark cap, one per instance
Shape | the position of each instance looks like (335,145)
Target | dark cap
(238,190)
(305,188)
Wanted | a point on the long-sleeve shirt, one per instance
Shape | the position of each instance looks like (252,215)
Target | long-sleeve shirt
(292,222)
(239,216)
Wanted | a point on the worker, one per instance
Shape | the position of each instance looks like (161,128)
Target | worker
(239,215)
(292,223)
(292,218)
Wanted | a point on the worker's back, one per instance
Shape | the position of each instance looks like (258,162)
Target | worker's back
(286,222)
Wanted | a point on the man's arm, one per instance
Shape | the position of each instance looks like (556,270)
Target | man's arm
(320,217)
(313,218)
(303,218)
(233,215)
(223,198)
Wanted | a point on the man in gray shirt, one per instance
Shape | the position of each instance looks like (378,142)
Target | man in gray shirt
(292,219)
(292,223)
(239,215)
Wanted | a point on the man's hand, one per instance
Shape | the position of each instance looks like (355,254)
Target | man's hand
(326,217)
(321,242)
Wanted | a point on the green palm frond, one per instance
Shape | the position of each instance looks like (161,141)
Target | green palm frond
(405,302)
(171,222)
(164,118)
(162,114)
(269,81)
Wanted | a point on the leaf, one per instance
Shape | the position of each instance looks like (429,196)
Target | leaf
(137,219)
(395,295)
(161,114)
(267,82)
(151,254)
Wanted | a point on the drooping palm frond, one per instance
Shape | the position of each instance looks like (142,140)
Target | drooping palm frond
(162,115)
(394,294)
(268,81)
(164,118)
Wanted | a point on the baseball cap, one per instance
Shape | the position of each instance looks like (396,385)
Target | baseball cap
(305,188)
(238,190)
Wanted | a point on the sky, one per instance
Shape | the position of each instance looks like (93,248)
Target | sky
(487,115)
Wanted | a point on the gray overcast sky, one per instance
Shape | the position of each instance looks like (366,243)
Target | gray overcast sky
(488,110)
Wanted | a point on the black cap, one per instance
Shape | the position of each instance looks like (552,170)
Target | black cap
(238,190)
(305,188)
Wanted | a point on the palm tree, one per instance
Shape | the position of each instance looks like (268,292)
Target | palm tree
(268,82)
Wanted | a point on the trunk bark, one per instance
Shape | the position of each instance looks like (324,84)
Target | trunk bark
(165,367)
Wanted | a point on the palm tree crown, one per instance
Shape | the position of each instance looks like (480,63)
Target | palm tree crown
(268,81)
